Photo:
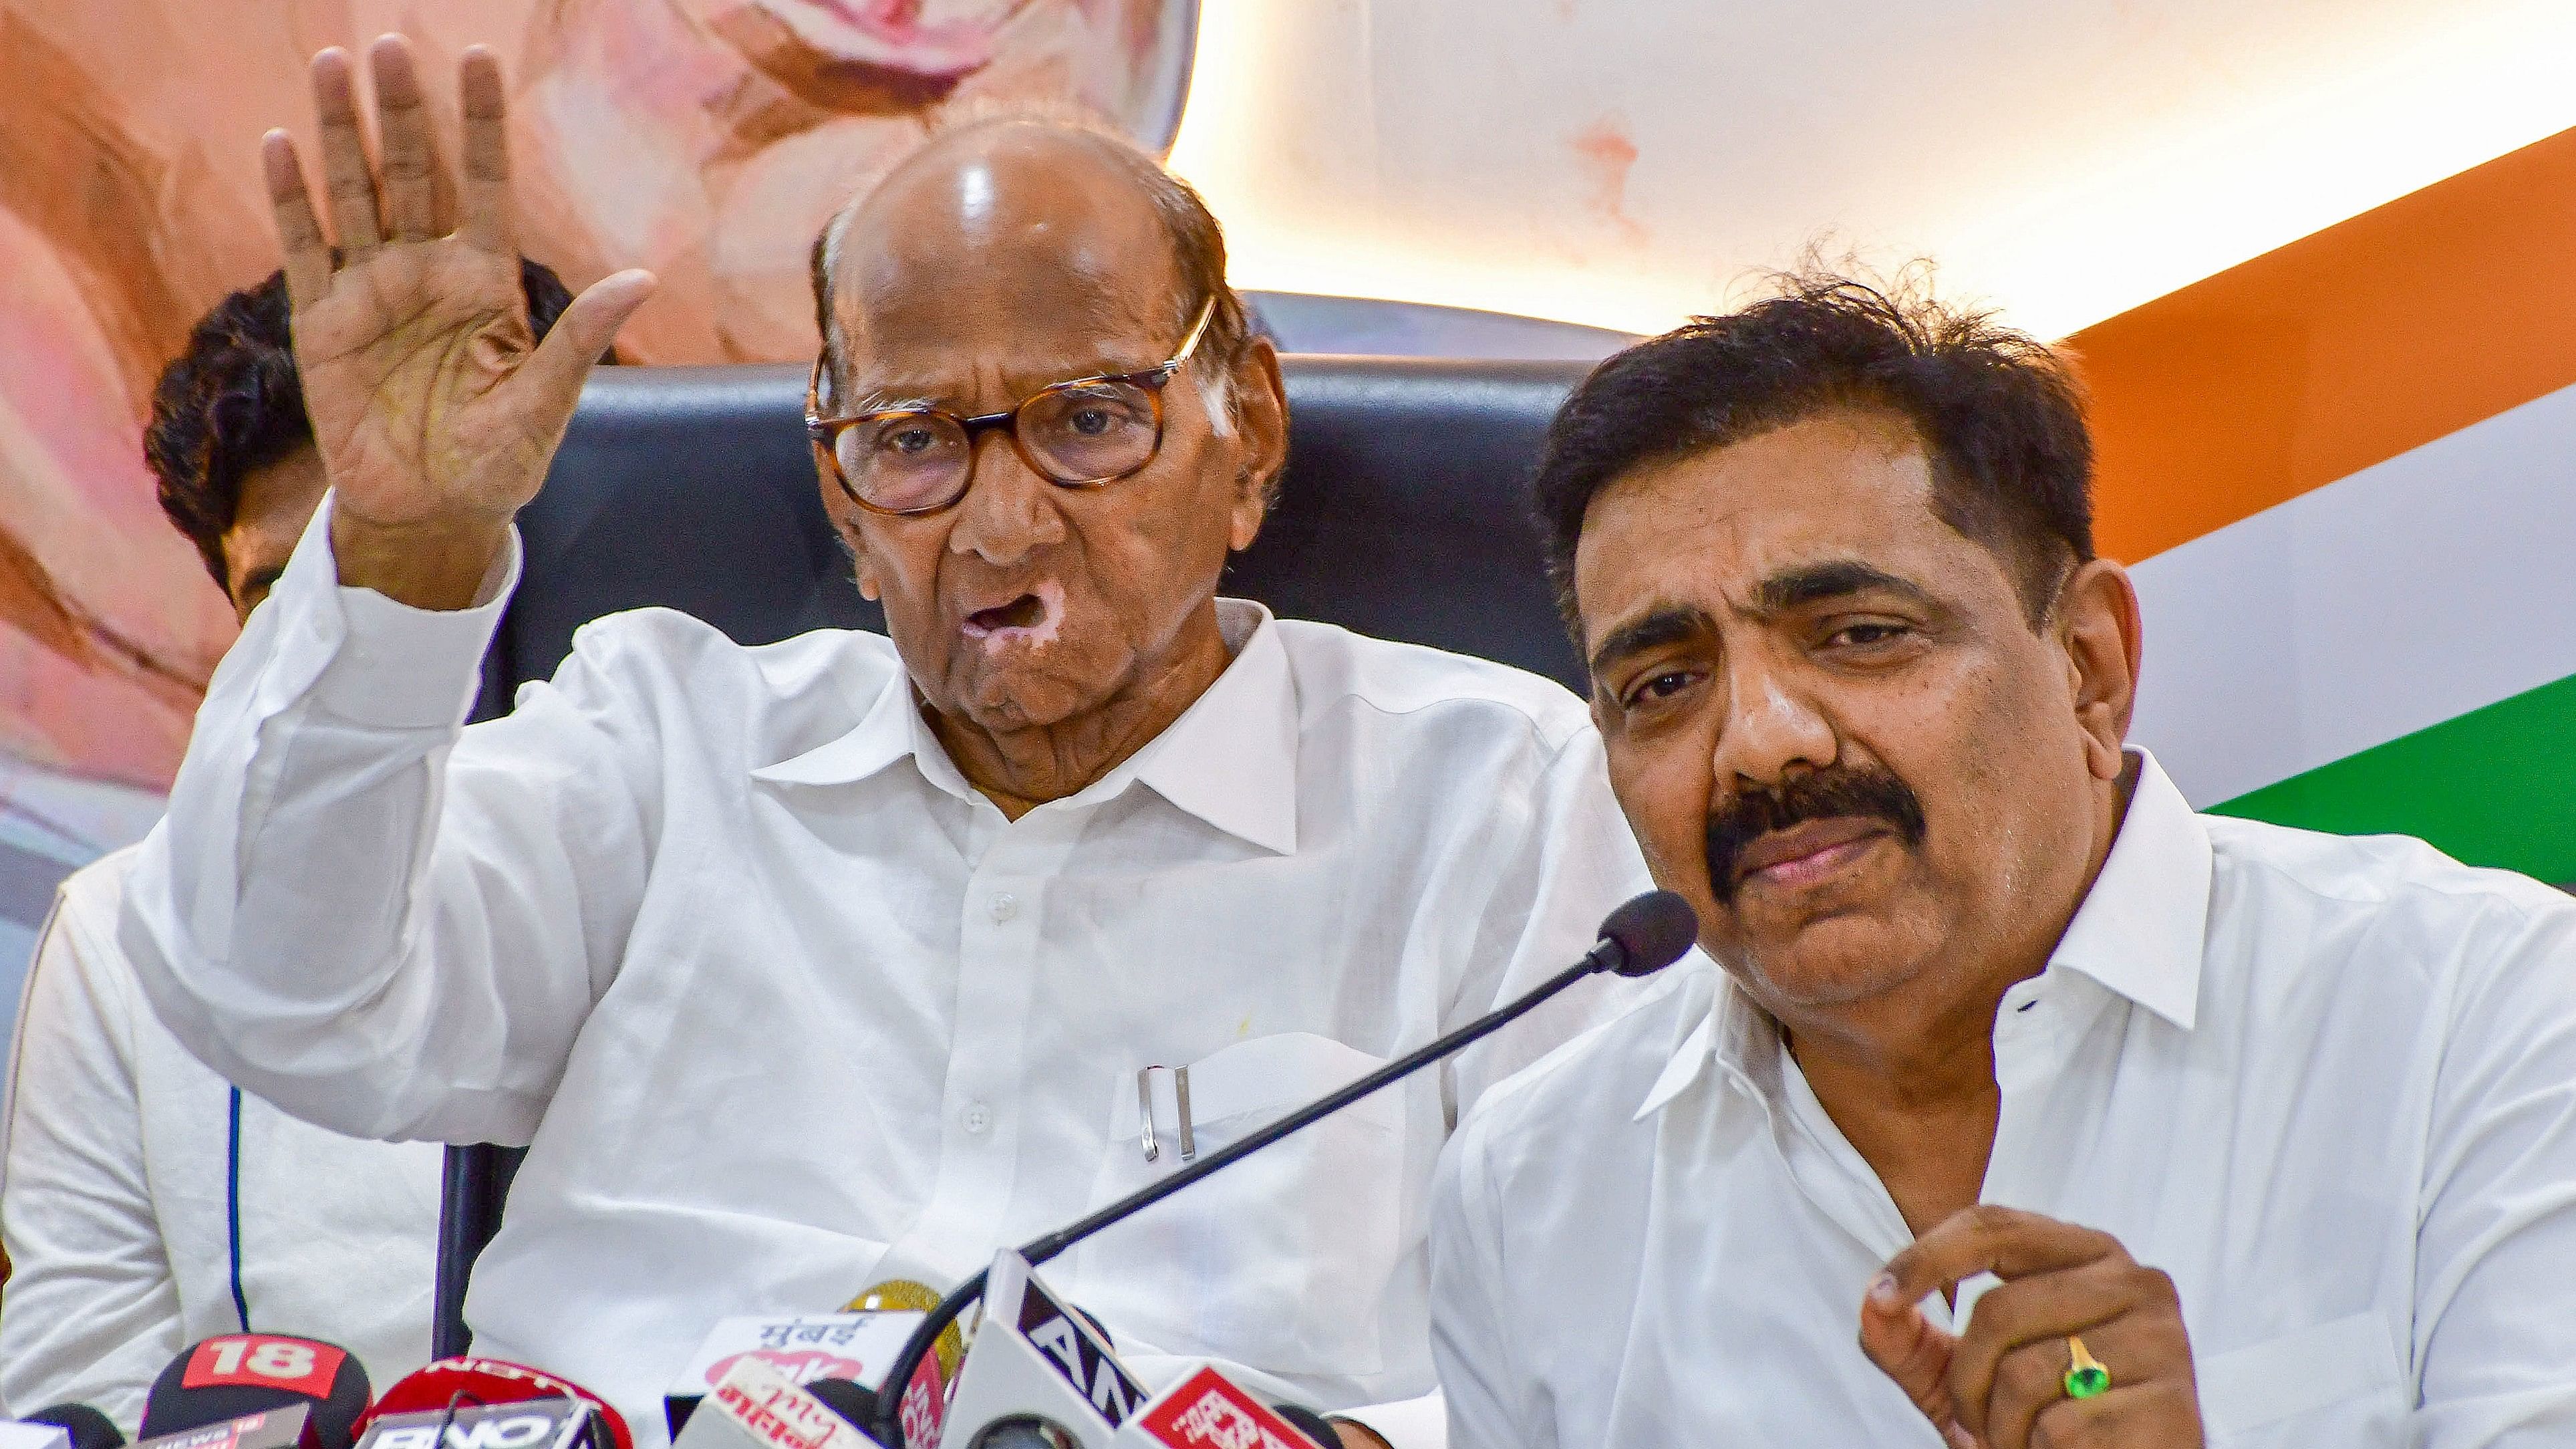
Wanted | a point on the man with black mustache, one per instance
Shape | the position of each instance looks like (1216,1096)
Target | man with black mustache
(2093,1120)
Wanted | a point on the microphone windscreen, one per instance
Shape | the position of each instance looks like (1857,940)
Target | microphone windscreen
(452,1381)
(89,1428)
(1651,932)
(234,1374)
(906,1295)
(1309,1423)
(855,1402)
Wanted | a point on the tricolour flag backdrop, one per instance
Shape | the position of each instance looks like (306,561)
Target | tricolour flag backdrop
(2345,475)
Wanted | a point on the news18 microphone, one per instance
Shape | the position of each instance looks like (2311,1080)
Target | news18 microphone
(1640,938)
(235,1374)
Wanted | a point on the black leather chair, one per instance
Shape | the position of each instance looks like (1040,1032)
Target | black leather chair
(1402,515)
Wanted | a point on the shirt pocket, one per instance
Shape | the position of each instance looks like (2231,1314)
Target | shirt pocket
(1280,1262)
(2336,1383)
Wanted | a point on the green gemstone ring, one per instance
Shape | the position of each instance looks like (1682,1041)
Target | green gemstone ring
(2086,1378)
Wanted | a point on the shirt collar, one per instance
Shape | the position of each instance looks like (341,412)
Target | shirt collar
(891,729)
(2139,933)
(1728,1035)
(1230,759)
(2142,929)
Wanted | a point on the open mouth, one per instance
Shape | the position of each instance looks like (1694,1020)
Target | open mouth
(1031,619)
(1025,612)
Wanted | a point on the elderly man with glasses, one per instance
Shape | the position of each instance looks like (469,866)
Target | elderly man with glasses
(856,958)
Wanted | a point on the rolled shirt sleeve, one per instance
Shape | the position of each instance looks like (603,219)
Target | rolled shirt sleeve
(347,910)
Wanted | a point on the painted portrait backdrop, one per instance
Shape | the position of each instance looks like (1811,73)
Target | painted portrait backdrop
(705,139)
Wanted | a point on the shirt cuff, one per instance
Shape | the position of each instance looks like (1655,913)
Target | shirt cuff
(1421,1423)
(397,667)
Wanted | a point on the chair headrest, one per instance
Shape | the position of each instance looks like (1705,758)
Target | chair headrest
(1403,513)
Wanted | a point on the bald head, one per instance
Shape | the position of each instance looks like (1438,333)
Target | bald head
(1032,216)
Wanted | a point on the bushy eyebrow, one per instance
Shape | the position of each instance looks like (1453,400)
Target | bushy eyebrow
(1653,629)
(1841,578)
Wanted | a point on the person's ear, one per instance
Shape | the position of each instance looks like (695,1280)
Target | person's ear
(2098,627)
(1261,421)
(845,521)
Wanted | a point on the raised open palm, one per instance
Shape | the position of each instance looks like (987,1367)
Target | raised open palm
(435,408)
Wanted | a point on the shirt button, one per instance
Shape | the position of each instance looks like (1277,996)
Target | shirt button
(1004,906)
(977,1119)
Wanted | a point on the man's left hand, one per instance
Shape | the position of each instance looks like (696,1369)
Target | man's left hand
(2002,1384)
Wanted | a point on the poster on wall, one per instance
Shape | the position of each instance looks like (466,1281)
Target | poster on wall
(705,139)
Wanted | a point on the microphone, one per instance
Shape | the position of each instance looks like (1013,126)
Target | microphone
(856,1403)
(1207,1410)
(526,1424)
(853,1344)
(1641,937)
(442,1387)
(287,1428)
(235,1375)
(756,1405)
(88,1428)
(904,1295)
(1309,1423)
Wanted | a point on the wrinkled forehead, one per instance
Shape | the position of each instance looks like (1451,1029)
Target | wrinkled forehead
(1034,264)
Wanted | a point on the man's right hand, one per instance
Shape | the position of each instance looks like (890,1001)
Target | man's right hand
(435,409)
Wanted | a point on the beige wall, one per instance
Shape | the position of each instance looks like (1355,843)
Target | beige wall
(1620,162)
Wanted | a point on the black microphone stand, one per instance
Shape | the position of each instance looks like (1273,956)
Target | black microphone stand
(1609,955)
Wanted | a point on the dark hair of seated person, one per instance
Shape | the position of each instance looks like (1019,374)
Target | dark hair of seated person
(2000,416)
(232,404)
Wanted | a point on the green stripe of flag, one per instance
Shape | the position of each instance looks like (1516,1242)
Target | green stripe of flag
(2495,786)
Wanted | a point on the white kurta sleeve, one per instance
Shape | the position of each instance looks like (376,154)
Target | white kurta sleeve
(91,1312)
(384,923)
(2495,1345)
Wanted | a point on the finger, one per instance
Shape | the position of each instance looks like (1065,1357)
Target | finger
(299,231)
(1986,1239)
(486,220)
(2035,1314)
(585,330)
(2163,1412)
(402,131)
(352,188)
(2027,1382)
(1910,1350)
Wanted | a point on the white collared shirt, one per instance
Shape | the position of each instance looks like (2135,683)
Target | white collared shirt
(116,1174)
(2328,1084)
(783,1007)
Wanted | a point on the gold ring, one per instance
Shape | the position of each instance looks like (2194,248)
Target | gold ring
(2085,1376)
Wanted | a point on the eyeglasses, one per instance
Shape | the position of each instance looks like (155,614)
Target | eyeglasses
(1085,433)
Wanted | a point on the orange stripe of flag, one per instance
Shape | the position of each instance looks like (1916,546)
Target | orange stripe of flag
(2338,351)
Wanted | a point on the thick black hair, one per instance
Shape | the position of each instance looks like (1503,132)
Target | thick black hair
(2000,415)
(232,404)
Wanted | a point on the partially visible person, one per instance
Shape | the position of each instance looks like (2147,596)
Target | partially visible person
(2029,1107)
(145,1202)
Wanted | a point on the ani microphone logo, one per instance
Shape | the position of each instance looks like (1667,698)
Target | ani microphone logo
(297,1365)
(1073,1352)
